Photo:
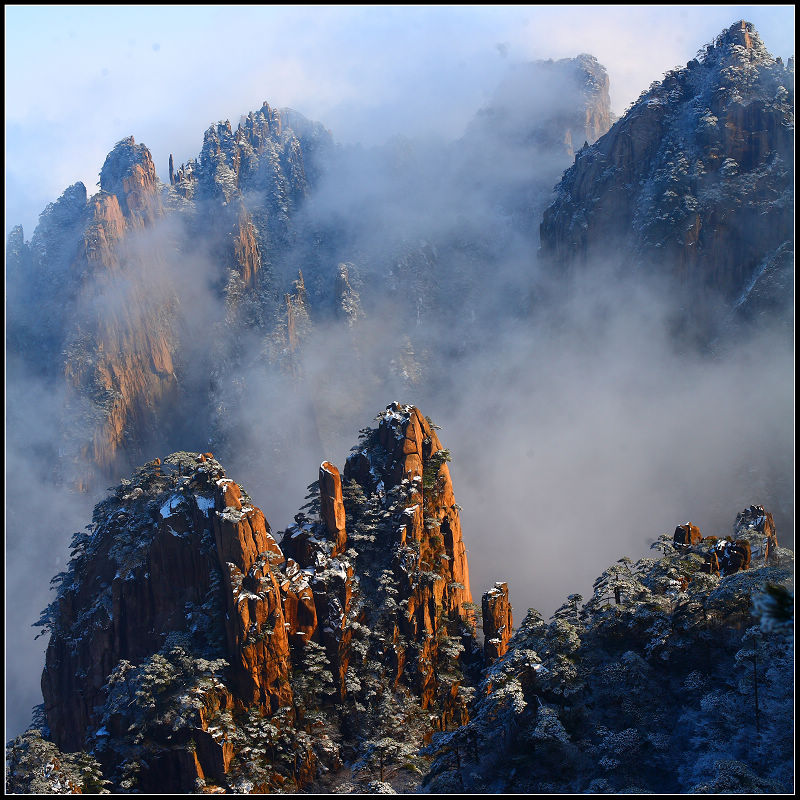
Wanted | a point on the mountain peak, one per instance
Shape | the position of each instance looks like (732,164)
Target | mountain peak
(740,42)
(716,134)
(181,618)
(129,173)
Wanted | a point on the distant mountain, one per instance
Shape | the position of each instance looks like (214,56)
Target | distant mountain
(109,275)
(696,182)
(148,290)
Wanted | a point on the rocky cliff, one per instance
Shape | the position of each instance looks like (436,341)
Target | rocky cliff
(695,180)
(632,690)
(100,324)
(156,297)
(119,355)
(183,629)
(108,275)
(497,621)
(191,650)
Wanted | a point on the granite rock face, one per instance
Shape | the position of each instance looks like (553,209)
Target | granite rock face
(108,275)
(102,330)
(497,621)
(403,461)
(178,536)
(130,175)
(182,627)
(695,181)
(119,356)
(687,534)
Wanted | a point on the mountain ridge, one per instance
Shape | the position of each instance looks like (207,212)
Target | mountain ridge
(699,162)
(192,650)
(266,295)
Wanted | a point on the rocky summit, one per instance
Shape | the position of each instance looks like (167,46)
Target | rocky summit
(696,181)
(184,631)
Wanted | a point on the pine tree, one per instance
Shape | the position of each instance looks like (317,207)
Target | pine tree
(311,681)
(388,745)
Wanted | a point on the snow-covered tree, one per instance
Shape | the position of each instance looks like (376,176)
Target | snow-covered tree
(387,745)
(35,765)
(312,681)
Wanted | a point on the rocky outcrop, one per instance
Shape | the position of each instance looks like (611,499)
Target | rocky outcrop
(754,543)
(497,621)
(258,644)
(182,629)
(735,557)
(755,518)
(130,175)
(287,339)
(727,557)
(687,534)
(264,163)
(178,535)
(756,527)
(263,155)
(694,181)
(319,575)
(404,465)
(333,515)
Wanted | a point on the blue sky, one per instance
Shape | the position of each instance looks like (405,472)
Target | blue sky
(80,78)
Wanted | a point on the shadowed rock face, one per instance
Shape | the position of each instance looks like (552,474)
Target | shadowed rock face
(180,593)
(687,534)
(497,621)
(695,180)
(177,535)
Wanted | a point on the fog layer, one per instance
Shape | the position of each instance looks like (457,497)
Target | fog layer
(579,431)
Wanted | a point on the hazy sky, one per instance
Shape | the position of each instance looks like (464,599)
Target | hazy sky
(80,78)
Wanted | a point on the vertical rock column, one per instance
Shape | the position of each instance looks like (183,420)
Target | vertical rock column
(330,493)
(497,622)
(258,643)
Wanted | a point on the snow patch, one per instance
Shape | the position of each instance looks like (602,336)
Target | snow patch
(204,504)
(170,506)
